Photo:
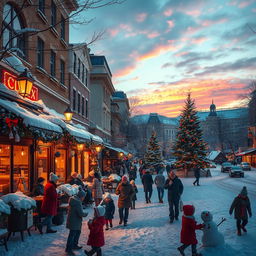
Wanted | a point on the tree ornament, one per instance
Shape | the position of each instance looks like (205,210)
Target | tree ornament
(11,137)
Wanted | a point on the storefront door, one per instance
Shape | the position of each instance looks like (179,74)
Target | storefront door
(5,167)
(60,165)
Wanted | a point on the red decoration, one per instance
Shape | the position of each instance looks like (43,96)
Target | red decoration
(11,122)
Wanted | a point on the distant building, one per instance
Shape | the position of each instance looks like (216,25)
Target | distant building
(224,130)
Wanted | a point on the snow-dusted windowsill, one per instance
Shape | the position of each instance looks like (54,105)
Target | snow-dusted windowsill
(41,70)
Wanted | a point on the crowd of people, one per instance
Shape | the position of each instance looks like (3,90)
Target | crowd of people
(126,190)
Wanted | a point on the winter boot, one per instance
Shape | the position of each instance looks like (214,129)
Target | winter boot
(120,222)
(40,228)
(239,232)
(51,231)
(88,253)
(111,225)
(107,228)
(181,250)
(243,228)
(125,223)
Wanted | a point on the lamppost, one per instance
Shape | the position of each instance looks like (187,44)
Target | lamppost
(68,114)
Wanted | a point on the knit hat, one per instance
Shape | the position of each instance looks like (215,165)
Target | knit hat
(74,174)
(188,210)
(243,192)
(79,176)
(124,178)
(100,210)
(53,177)
(132,182)
(81,193)
(40,179)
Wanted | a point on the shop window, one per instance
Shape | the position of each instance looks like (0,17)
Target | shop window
(60,165)
(43,156)
(4,169)
(73,161)
(78,103)
(86,108)
(21,172)
(11,26)
(86,164)
(74,100)
(83,74)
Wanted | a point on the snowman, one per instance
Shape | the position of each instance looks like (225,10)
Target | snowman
(211,236)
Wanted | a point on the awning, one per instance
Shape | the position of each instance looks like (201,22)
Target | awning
(119,150)
(246,152)
(97,139)
(81,134)
(30,118)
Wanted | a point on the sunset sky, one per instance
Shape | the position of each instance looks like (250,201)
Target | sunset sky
(158,50)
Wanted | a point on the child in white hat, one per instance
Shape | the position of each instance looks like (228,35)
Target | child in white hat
(110,209)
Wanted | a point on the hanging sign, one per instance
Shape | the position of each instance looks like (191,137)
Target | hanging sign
(10,81)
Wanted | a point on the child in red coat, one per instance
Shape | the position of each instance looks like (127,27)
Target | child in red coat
(188,230)
(96,236)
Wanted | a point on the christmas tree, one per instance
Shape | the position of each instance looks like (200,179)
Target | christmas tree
(153,156)
(189,147)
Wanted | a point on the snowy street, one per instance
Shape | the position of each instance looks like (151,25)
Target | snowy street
(149,231)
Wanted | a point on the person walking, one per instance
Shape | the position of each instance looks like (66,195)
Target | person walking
(96,237)
(175,189)
(74,221)
(196,170)
(134,197)
(49,204)
(168,169)
(160,182)
(97,189)
(125,192)
(242,206)
(147,182)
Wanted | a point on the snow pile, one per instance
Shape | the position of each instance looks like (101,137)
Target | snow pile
(70,190)
(4,208)
(19,201)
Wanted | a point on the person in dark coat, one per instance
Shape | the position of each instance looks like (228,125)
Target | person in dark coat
(188,230)
(49,204)
(73,179)
(160,182)
(134,198)
(147,182)
(175,189)
(132,173)
(168,169)
(125,192)
(74,221)
(38,189)
(242,207)
(197,175)
(96,237)
(109,205)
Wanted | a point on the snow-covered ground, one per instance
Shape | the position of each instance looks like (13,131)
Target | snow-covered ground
(149,232)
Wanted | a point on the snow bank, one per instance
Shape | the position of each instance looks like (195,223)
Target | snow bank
(68,189)
(4,208)
(19,201)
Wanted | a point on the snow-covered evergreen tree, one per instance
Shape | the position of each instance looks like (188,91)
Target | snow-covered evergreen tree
(153,156)
(189,147)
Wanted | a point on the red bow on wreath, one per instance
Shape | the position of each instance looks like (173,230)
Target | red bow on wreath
(11,122)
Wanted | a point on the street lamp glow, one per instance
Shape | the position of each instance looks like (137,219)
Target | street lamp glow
(25,83)
(68,114)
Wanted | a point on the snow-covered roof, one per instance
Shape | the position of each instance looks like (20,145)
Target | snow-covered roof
(78,133)
(249,151)
(29,118)
(143,119)
(212,155)
(116,149)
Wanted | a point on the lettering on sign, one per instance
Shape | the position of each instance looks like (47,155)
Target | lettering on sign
(10,81)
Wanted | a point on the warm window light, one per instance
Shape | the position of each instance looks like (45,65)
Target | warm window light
(121,154)
(98,149)
(25,82)
(68,114)
(80,147)
(22,152)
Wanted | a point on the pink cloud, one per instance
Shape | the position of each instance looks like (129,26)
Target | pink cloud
(208,23)
(181,54)
(125,27)
(141,17)
(254,10)
(198,40)
(153,35)
(168,12)
(113,32)
(244,4)
(194,13)
(170,23)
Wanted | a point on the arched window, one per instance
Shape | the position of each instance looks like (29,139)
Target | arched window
(12,38)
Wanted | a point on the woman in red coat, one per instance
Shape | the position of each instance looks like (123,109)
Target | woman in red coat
(49,204)
(96,236)
(188,230)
